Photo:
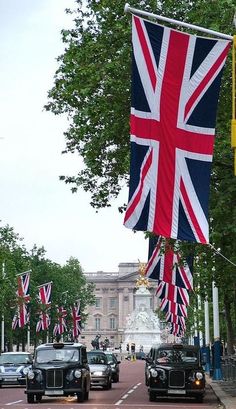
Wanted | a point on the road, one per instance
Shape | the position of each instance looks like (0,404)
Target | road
(129,393)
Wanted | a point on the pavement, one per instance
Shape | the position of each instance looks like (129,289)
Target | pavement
(225,391)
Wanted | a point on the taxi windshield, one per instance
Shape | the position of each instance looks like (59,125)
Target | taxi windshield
(52,355)
(175,356)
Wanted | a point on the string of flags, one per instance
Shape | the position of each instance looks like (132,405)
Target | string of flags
(22,315)
(174,279)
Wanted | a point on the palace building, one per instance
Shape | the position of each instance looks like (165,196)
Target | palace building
(114,303)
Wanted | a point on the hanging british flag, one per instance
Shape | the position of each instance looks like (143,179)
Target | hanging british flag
(175,87)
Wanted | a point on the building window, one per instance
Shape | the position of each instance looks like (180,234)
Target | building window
(98,303)
(112,323)
(112,303)
(126,298)
(97,324)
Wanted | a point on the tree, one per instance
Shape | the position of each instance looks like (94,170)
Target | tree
(92,86)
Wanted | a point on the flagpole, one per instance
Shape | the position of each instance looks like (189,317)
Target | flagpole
(3,323)
(133,10)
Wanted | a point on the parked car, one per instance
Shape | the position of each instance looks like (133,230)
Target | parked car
(59,369)
(175,370)
(12,365)
(115,365)
(101,372)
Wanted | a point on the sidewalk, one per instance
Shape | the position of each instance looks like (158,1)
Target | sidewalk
(225,392)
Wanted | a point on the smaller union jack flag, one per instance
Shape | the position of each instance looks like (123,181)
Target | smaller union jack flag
(45,293)
(60,326)
(176,330)
(176,309)
(166,265)
(21,318)
(175,319)
(76,318)
(43,323)
(172,293)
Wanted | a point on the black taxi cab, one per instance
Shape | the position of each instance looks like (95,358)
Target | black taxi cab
(175,370)
(58,369)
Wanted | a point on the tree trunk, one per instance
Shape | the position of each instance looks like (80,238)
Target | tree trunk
(229,327)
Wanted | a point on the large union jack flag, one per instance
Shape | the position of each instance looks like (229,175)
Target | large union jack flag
(21,318)
(175,88)
(173,308)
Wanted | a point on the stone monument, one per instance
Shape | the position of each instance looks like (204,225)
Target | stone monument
(142,326)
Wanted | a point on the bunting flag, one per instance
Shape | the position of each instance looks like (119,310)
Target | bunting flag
(76,319)
(175,319)
(175,88)
(21,318)
(172,293)
(45,293)
(60,326)
(176,330)
(174,308)
(166,265)
(43,323)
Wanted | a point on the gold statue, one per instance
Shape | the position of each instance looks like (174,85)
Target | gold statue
(142,280)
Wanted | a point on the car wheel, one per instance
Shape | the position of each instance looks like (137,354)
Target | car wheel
(81,397)
(30,398)
(116,378)
(86,395)
(38,398)
(152,396)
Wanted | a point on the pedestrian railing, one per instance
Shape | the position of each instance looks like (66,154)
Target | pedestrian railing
(228,367)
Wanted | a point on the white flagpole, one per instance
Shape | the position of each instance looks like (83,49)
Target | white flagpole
(2,323)
(172,21)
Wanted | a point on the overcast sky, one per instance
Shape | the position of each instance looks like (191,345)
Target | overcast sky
(40,208)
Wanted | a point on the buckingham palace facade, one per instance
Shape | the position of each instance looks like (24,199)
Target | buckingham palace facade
(114,294)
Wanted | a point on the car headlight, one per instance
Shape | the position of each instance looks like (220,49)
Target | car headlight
(25,370)
(98,373)
(30,374)
(153,373)
(77,373)
(199,376)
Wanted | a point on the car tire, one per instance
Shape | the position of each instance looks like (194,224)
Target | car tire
(116,378)
(30,398)
(199,398)
(86,395)
(38,398)
(152,396)
(81,396)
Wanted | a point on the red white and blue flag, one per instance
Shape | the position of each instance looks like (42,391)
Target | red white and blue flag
(175,88)
(175,319)
(166,265)
(172,293)
(60,326)
(45,293)
(43,322)
(21,318)
(76,320)
(174,308)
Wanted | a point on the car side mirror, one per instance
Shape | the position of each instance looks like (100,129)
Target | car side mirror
(118,362)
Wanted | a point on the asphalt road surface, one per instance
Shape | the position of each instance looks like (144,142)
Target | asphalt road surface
(129,393)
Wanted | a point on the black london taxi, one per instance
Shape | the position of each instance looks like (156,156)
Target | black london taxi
(58,369)
(175,370)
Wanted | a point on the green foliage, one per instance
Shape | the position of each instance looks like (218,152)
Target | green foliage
(68,284)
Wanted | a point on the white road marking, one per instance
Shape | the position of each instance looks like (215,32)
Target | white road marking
(12,403)
(125,396)
(119,402)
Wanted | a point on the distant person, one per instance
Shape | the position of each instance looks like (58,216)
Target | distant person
(127,348)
